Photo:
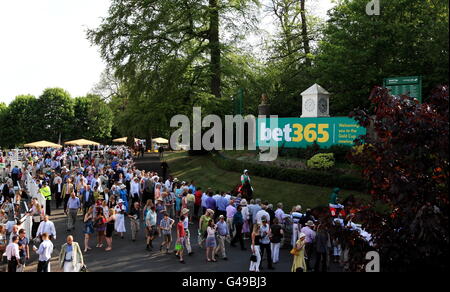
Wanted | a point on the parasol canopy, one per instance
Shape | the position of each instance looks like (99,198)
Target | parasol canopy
(160,141)
(123,140)
(82,142)
(42,144)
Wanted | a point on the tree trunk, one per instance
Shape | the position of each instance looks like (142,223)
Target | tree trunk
(214,44)
(305,36)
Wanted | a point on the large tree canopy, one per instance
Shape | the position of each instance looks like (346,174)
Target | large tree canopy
(358,51)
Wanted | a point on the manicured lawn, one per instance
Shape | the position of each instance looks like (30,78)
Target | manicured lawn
(206,174)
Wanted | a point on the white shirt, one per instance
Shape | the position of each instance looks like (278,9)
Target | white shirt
(134,188)
(12,250)
(245,213)
(262,214)
(45,251)
(47,227)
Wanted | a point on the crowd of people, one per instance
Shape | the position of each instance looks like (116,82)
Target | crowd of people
(111,193)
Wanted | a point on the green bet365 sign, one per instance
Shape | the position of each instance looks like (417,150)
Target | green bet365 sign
(302,132)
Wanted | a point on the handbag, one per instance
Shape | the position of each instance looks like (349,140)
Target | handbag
(253,258)
(295,252)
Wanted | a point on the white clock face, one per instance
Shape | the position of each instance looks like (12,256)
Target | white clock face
(310,105)
(323,106)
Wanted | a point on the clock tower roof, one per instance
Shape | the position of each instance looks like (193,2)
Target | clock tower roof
(316,89)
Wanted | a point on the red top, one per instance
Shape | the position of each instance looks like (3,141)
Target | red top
(180,229)
(198,198)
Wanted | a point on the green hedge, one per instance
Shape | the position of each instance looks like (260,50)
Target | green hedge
(309,177)
(340,152)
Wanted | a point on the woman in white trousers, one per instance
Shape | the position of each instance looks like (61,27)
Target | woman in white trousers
(256,250)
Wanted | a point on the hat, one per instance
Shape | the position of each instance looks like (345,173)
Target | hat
(246,170)
(184,211)
(120,201)
(210,211)
(123,187)
(175,180)
(244,202)
(221,217)
(160,200)
(302,235)
(309,223)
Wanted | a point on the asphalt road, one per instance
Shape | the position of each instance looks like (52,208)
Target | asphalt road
(128,256)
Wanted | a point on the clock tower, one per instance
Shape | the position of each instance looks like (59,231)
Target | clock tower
(316,102)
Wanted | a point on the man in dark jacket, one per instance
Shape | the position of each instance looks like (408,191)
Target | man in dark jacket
(87,198)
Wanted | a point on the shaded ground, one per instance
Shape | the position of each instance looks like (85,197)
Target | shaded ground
(128,256)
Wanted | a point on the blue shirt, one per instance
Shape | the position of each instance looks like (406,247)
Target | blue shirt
(222,204)
(210,203)
(222,228)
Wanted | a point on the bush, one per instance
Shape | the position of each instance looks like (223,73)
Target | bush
(322,161)
(340,152)
(309,177)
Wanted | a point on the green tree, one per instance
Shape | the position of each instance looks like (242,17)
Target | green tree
(410,37)
(169,55)
(55,113)
(93,119)
(19,121)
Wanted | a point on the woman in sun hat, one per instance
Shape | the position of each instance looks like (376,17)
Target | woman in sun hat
(299,264)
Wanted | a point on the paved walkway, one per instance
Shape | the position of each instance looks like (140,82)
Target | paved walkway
(128,256)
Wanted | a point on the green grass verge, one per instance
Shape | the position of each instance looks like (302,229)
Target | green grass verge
(206,174)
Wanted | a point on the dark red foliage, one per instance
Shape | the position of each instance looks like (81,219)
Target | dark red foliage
(405,160)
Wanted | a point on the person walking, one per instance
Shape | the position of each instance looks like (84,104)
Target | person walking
(47,194)
(48,227)
(265,242)
(70,258)
(87,198)
(73,205)
(255,260)
(88,228)
(310,234)
(181,237)
(151,226)
(238,222)
(299,264)
(37,214)
(211,243)
(13,254)
(203,226)
(100,227)
(45,254)
(120,211)
(187,241)
(223,233)
(110,228)
(275,240)
(135,215)
(24,250)
(322,247)
(166,229)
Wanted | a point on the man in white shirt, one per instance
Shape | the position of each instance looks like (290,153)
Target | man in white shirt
(262,213)
(12,254)
(45,254)
(48,227)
